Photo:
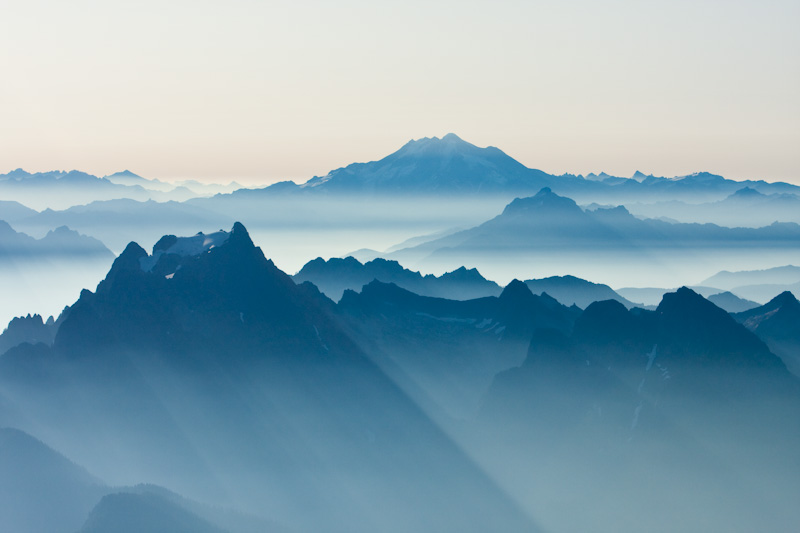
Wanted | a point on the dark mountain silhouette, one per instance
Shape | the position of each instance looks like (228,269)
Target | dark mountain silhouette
(31,329)
(40,489)
(682,396)
(570,290)
(445,352)
(334,276)
(778,324)
(205,369)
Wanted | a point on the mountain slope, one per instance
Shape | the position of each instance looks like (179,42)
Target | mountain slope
(552,234)
(570,290)
(41,490)
(203,368)
(334,276)
(778,324)
(683,397)
(432,165)
(444,353)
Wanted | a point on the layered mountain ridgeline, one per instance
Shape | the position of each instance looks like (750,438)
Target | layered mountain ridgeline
(548,221)
(731,303)
(44,491)
(118,222)
(12,212)
(683,397)
(425,166)
(30,329)
(60,243)
(60,189)
(44,275)
(744,207)
(570,290)
(444,353)
(778,324)
(335,276)
(41,489)
(784,275)
(453,166)
(203,368)
(759,285)
(552,233)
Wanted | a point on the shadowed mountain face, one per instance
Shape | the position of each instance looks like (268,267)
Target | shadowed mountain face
(205,369)
(335,276)
(570,290)
(42,490)
(778,324)
(444,353)
(30,329)
(683,397)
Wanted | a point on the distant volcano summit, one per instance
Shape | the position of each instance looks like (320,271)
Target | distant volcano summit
(428,165)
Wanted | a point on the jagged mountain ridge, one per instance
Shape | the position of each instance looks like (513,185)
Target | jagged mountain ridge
(229,382)
(682,396)
(335,275)
(547,220)
(778,324)
(444,353)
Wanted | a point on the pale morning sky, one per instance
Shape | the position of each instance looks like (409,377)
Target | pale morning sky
(260,91)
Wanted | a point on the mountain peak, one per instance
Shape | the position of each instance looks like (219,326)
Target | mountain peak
(784,298)
(450,143)
(746,192)
(452,138)
(545,199)
(516,292)
(239,234)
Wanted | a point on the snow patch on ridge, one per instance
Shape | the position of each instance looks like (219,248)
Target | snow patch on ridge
(186,246)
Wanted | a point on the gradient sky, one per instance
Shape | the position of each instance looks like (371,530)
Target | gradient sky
(260,91)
